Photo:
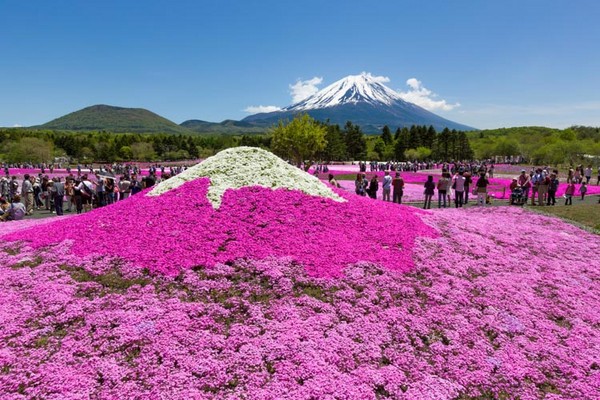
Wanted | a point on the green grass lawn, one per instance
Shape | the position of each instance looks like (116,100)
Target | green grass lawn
(585,214)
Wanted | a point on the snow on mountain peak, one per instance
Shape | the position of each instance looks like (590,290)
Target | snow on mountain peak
(351,89)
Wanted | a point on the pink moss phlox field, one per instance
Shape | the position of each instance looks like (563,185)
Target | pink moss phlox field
(497,183)
(502,304)
(180,229)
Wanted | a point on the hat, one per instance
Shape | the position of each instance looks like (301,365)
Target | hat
(523,170)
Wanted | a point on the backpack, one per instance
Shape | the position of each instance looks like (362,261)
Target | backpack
(86,192)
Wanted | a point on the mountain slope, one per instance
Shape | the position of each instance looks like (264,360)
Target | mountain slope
(226,127)
(114,119)
(365,101)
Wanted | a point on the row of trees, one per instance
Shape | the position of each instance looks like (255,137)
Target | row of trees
(421,142)
(539,145)
(36,146)
(304,139)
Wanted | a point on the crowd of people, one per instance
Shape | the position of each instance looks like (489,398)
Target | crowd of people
(77,192)
(459,180)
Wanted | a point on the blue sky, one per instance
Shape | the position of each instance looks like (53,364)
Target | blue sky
(494,63)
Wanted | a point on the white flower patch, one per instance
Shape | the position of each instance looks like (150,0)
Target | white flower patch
(239,167)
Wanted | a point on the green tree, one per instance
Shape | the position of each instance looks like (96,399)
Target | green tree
(300,140)
(336,145)
(386,135)
(379,148)
(29,149)
(125,152)
(356,144)
(142,151)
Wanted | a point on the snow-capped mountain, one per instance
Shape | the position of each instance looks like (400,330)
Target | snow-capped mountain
(351,89)
(362,99)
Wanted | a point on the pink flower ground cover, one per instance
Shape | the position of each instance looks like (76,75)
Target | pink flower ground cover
(180,229)
(500,304)
(411,193)
(421,177)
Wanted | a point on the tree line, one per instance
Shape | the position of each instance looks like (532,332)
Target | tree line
(21,145)
(540,145)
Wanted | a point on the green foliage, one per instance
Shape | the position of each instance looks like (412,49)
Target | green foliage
(27,149)
(356,144)
(539,145)
(336,144)
(115,119)
(386,135)
(299,140)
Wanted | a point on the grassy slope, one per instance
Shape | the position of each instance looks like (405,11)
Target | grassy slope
(587,214)
(115,119)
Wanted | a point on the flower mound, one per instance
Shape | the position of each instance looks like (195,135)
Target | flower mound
(246,166)
(180,229)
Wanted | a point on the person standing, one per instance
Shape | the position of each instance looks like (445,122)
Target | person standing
(27,194)
(398,185)
(429,191)
(86,190)
(100,194)
(544,182)
(552,188)
(482,184)
(13,187)
(58,191)
(468,183)
(69,193)
(588,174)
(4,188)
(124,188)
(359,186)
(460,189)
(583,190)
(569,192)
(442,187)
(387,186)
(373,187)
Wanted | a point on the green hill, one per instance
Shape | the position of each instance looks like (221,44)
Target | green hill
(226,127)
(114,119)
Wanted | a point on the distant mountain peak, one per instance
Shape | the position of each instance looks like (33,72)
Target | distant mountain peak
(362,88)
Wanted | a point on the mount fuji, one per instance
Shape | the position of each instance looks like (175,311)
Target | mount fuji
(363,100)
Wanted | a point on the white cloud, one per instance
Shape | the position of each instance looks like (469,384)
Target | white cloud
(261,109)
(423,97)
(380,79)
(302,89)
(17,126)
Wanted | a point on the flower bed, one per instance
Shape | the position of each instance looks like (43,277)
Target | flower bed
(289,295)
